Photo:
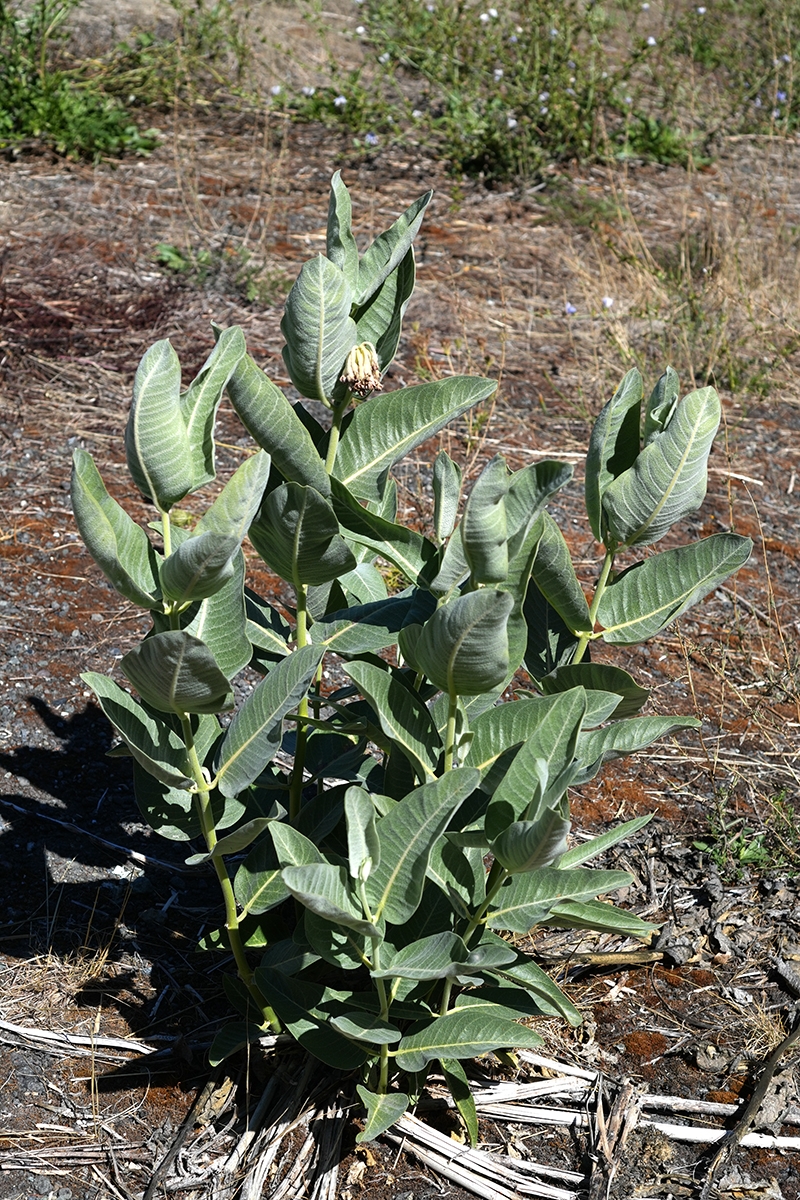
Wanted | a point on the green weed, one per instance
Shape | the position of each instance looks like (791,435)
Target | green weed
(230,269)
(41,100)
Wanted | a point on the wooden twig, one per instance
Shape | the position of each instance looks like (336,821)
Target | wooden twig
(613,1132)
(738,1136)
(56,1038)
(185,1128)
(482,1173)
(145,859)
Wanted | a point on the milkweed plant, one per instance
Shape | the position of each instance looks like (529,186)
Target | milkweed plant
(374,888)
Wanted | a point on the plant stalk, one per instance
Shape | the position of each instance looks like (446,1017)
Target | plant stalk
(450,735)
(298,767)
(586,637)
(336,428)
(203,805)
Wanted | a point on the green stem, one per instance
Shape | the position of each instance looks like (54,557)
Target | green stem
(205,816)
(296,782)
(450,735)
(336,429)
(497,877)
(586,637)
(166,533)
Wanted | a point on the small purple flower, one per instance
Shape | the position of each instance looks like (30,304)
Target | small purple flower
(607,301)
(370,139)
(308,91)
(511,122)
(702,10)
(498,74)
(781,97)
(569,309)
(340,101)
(275,90)
(787,58)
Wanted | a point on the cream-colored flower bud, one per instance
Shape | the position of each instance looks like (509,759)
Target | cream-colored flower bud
(362,372)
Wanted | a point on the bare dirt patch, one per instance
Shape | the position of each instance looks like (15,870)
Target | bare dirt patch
(100,920)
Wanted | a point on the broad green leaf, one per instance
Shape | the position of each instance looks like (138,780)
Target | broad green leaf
(484,525)
(466,1033)
(383,1109)
(302,1008)
(240,839)
(297,535)
(456,1079)
(366,628)
(446,494)
(364,584)
(254,734)
(293,848)
(287,957)
(391,425)
(501,730)
(219,622)
(389,249)
(234,509)
(366,1027)
(598,677)
(232,1037)
(336,944)
(340,243)
(380,319)
(200,401)
(402,715)
(464,962)
(406,835)
(319,331)
(266,627)
(119,546)
(613,446)
(363,844)
(554,575)
(668,479)
(598,746)
(528,491)
(600,918)
(586,851)
(175,672)
(516,585)
(258,885)
(323,887)
(172,811)
(552,743)
(530,845)
(436,957)
(527,974)
(156,442)
(270,419)
(649,596)
(661,405)
(453,567)
(151,742)
(549,643)
(460,873)
(406,549)
(199,567)
(530,898)
(463,648)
